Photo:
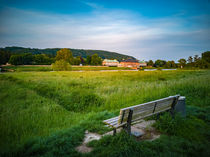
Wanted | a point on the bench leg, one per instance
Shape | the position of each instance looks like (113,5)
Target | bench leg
(172,112)
(114,132)
(158,116)
(129,129)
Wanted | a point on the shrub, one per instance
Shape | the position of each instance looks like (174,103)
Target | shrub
(188,128)
(61,65)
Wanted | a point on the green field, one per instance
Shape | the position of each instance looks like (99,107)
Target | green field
(47,113)
(24,68)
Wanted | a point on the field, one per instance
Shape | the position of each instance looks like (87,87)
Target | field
(22,68)
(47,113)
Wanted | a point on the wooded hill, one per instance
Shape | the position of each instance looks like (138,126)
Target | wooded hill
(76,52)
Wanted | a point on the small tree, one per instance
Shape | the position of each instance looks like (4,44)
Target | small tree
(206,56)
(95,60)
(4,57)
(88,61)
(61,65)
(160,63)
(64,54)
(150,63)
(182,62)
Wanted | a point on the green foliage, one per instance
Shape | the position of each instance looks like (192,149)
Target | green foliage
(42,59)
(182,62)
(61,65)
(126,146)
(170,64)
(77,60)
(206,56)
(64,54)
(95,60)
(160,63)
(16,60)
(61,143)
(22,59)
(150,63)
(75,52)
(185,128)
(4,57)
(88,60)
(80,100)
(199,62)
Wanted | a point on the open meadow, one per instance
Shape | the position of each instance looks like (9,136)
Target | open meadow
(47,113)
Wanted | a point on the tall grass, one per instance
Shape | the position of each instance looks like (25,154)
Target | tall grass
(41,103)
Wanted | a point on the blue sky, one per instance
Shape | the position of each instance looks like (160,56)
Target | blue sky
(152,29)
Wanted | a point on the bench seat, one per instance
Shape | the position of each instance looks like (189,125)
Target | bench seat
(134,113)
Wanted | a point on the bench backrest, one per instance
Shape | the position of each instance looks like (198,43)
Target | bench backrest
(147,109)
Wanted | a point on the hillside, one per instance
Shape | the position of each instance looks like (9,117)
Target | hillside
(76,52)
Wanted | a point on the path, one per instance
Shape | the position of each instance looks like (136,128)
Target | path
(142,131)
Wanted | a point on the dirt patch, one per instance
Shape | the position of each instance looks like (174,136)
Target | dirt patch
(83,148)
(142,130)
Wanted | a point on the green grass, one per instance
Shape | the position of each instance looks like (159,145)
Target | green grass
(22,68)
(40,111)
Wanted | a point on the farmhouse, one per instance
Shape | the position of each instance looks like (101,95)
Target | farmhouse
(108,62)
(132,63)
(142,64)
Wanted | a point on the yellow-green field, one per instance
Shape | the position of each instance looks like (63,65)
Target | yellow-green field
(46,113)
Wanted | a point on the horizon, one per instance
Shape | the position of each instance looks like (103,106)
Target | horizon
(167,30)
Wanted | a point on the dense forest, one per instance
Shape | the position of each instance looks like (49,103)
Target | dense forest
(75,52)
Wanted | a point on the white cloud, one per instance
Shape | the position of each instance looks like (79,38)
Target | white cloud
(121,31)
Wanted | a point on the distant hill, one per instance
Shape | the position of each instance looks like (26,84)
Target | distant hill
(76,52)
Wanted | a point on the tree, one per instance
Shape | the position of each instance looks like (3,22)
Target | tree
(95,60)
(196,58)
(65,54)
(4,57)
(182,62)
(27,58)
(203,64)
(150,63)
(160,63)
(206,56)
(61,65)
(77,60)
(42,59)
(190,59)
(16,60)
(168,64)
(88,61)
(173,64)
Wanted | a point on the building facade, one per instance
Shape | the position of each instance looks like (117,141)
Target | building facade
(131,63)
(142,64)
(109,62)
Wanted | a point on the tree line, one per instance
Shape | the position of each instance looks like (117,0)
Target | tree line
(66,54)
(192,62)
(47,59)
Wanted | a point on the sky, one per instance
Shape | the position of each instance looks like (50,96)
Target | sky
(145,29)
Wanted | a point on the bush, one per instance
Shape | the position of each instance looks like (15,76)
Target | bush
(188,128)
(61,65)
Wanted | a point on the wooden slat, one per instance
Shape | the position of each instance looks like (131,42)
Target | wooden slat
(111,119)
(160,100)
(146,108)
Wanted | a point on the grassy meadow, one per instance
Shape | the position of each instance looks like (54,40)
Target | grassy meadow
(47,113)
(24,68)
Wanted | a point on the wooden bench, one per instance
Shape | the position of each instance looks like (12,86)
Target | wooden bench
(134,113)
